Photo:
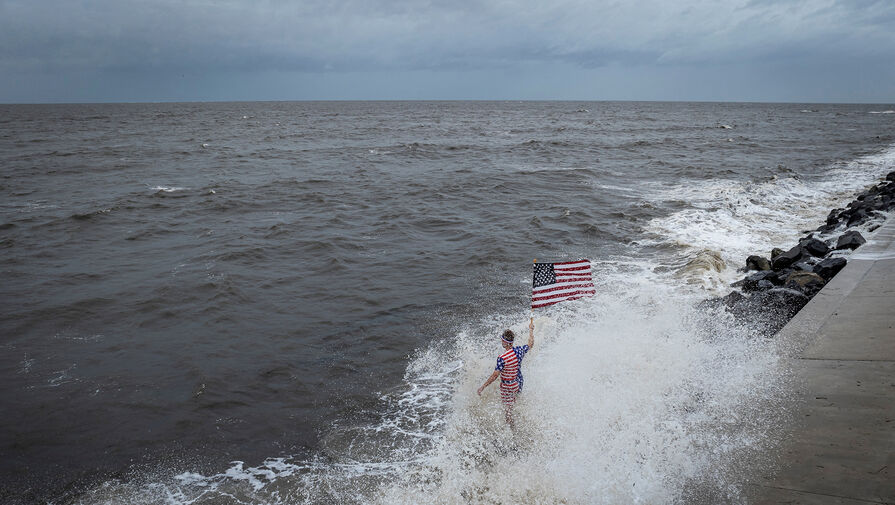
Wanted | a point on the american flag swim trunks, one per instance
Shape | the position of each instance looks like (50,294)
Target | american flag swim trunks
(509,364)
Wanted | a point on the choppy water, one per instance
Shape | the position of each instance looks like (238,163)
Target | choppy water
(295,302)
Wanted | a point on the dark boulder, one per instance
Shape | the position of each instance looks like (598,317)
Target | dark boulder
(829,267)
(886,202)
(767,311)
(858,204)
(786,259)
(733,299)
(781,299)
(833,217)
(803,266)
(815,247)
(764,285)
(827,228)
(755,262)
(780,276)
(809,283)
(890,177)
(850,240)
(727,302)
(753,282)
(776,252)
(857,217)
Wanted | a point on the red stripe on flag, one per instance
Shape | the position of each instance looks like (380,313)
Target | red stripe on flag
(571,269)
(571,280)
(553,287)
(560,295)
(552,302)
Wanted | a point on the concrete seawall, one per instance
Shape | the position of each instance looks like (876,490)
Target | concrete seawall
(842,448)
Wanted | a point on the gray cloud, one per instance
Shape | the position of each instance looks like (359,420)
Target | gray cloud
(227,36)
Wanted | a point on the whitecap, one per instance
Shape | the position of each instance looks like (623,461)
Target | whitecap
(740,218)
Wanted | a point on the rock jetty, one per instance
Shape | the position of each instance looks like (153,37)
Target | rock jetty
(777,286)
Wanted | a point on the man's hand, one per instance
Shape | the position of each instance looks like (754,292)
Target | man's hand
(480,390)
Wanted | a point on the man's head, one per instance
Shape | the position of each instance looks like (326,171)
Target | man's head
(507,339)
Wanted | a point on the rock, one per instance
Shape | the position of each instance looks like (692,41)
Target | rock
(827,228)
(788,258)
(815,247)
(829,267)
(784,300)
(733,299)
(751,283)
(770,310)
(766,310)
(803,266)
(886,202)
(781,276)
(776,252)
(850,240)
(727,302)
(808,283)
(858,204)
(755,262)
(857,218)
(891,177)
(764,285)
(833,216)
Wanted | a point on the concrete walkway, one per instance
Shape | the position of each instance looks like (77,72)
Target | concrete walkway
(843,447)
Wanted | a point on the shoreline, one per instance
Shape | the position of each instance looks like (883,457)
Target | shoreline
(776,287)
(841,352)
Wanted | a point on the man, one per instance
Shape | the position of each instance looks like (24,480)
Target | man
(509,368)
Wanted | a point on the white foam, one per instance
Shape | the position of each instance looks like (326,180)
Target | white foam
(632,396)
(736,218)
(628,399)
(882,112)
(168,189)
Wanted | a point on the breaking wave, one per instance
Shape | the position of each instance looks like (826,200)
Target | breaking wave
(638,398)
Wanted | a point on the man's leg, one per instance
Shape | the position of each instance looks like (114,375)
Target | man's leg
(508,414)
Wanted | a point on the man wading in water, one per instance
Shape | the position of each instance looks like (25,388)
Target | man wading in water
(509,368)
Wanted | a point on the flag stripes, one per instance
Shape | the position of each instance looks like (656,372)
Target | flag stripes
(559,282)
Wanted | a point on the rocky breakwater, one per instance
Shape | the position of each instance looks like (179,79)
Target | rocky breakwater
(777,286)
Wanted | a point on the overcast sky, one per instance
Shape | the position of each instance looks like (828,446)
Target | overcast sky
(741,50)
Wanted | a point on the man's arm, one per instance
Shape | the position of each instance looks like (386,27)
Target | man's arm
(489,381)
(531,333)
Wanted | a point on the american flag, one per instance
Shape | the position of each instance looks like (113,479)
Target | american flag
(558,282)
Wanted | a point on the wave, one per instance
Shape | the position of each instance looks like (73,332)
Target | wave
(168,189)
(738,218)
(628,399)
(635,395)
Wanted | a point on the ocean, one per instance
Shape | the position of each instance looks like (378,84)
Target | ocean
(295,302)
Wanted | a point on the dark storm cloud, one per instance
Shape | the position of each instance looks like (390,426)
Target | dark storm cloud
(349,34)
(50,36)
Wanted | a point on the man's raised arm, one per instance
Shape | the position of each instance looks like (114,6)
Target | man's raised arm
(531,333)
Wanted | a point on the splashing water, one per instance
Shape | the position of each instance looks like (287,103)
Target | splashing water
(633,396)
(628,399)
